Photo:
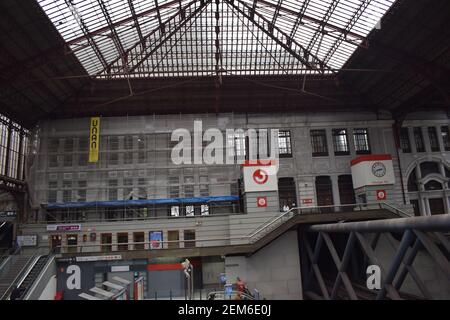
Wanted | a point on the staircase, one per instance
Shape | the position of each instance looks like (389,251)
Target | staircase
(13,272)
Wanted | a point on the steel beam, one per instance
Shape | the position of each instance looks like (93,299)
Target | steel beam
(407,239)
(320,23)
(303,55)
(135,19)
(121,22)
(181,24)
(429,223)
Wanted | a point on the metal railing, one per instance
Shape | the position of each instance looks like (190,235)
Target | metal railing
(418,234)
(250,238)
(8,291)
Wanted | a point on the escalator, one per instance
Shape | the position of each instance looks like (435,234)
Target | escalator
(31,275)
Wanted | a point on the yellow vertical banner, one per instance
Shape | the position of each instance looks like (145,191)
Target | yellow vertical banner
(94,139)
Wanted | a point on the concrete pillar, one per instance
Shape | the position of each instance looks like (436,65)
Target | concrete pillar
(335,189)
(440,140)
(426,139)
(351,144)
(412,141)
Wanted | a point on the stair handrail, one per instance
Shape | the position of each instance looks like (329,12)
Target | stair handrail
(299,210)
(222,293)
(7,291)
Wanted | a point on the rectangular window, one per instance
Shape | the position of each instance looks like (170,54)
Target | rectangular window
(204,209)
(189,210)
(418,139)
(113,143)
(68,160)
(128,142)
(189,238)
(434,143)
(82,159)
(238,140)
(340,142)
(128,158)
(112,190)
(83,144)
(52,161)
(405,144)
(319,143)
(189,191)
(361,140)
(175,211)
(113,159)
(284,144)
(122,240)
(52,192)
(53,145)
(68,145)
(445,137)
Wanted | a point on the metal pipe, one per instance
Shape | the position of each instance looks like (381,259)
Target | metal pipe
(429,223)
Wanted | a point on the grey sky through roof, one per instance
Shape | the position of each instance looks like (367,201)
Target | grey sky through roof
(161,38)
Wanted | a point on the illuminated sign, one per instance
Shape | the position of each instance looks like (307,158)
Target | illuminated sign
(94,139)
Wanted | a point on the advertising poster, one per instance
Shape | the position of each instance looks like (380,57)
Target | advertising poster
(156,238)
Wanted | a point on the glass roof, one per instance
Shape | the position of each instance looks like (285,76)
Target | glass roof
(160,38)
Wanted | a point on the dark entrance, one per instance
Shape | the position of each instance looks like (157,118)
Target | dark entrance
(324,193)
(287,193)
(346,192)
(436,206)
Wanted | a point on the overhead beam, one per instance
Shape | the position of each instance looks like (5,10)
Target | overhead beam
(321,23)
(300,16)
(121,22)
(135,19)
(320,30)
(350,24)
(300,53)
(142,46)
(86,33)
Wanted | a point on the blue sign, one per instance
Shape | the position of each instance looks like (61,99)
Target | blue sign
(156,238)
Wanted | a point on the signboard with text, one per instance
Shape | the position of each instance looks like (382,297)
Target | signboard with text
(64,227)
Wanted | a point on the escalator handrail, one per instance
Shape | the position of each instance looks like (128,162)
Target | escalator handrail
(8,291)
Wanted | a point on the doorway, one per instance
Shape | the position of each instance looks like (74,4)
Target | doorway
(287,193)
(436,206)
(72,242)
(138,237)
(55,243)
(106,242)
(122,240)
(173,235)
(324,192)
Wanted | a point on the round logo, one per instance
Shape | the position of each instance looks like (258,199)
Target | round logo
(381,195)
(262,202)
(378,169)
(260,176)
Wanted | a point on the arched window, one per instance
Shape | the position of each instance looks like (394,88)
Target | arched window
(412,182)
(429,167)
(433,185)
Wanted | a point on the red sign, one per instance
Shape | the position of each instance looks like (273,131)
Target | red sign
(260,176)
(381,195)
(307,201)
(262,202)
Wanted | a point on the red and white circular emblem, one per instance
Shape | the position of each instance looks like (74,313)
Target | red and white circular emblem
(262,201)
(260,176)
(381,195)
